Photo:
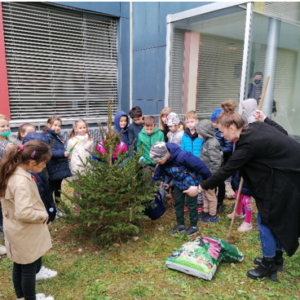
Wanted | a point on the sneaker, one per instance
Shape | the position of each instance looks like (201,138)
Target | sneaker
(245,227)
(203,216)
(2,250)
(45,273)
(192,230)
(185,208)
(177,229)
(209,218)
(238,216)
(43,297)
(220,207)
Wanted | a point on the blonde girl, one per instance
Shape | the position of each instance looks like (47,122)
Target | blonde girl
(25,224)
(162,122)
(24,129)
(83,142)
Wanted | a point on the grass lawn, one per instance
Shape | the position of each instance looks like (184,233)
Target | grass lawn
(137,270)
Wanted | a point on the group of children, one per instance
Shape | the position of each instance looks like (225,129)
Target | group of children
(179,154)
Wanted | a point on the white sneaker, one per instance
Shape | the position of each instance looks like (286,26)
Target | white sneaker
(2,250)
(45,273)
(43,297)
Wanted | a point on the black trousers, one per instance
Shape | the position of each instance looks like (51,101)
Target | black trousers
(55,186)
(24,279)
(221,193)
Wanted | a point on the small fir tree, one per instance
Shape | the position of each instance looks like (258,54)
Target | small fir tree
(110,197)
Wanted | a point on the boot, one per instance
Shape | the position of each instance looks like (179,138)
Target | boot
(278,261)
(266,268)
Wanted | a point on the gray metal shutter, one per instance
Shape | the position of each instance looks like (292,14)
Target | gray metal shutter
(219,72)
(176,71)
(59,62)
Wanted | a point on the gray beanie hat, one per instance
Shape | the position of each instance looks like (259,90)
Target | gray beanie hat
(159,152)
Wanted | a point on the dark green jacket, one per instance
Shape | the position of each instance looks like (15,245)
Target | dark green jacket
(149,141)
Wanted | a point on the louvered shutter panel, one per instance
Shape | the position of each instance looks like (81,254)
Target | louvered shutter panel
(219,72)
(59,61)
(176,71)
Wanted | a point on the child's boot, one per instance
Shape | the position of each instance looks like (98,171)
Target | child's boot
(266,268)
(278,260)
(245,227)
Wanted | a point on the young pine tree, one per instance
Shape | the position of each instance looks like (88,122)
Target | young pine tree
(110,197)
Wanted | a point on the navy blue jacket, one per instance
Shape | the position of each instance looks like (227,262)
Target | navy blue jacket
(133,131)
(235,182)
(185,168)
(227,147)
(58,166)
(45,193)
(124,137)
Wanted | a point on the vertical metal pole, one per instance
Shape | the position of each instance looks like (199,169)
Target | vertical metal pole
(168,60)
(130,55)
(270,63)
(245,53)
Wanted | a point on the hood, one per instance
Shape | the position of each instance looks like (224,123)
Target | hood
(174,149)
(250,106)
(36,136)
(192,136)
(205,128)
(118,116)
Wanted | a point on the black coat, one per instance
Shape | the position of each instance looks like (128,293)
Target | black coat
(269,162)
(58,166)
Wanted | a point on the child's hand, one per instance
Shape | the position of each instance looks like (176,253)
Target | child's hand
(67,154)
(49,224)
(167,186)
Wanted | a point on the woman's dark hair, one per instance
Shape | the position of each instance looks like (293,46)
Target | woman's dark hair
(22,128)
(229,116)
(51,121)
(32,150)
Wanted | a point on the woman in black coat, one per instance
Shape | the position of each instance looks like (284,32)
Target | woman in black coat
(269,162)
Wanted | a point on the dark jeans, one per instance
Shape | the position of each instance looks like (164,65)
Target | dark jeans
(221,193)
(55,186)
(191,202)
(24,279)
(269,242)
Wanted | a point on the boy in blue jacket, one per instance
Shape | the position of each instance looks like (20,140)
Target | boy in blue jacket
(186,170)
(135,127)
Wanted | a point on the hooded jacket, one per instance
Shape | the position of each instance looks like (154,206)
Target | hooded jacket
(58,166)
(183,167)
(269,162)
(250,105)
(191,142)
(124,137)
(211,152)
(148,141)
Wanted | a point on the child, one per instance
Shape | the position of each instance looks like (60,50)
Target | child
(25,223)
(148,136)
(211,155)
(4,147)
(175,134)
(58,166)
(227,148)
(121,148)
(24,129)
(46,196)
(190,140)
(186,170)
(121,124)
(249,108)
(162,123)
(245,199)
(134,128)
(84,144)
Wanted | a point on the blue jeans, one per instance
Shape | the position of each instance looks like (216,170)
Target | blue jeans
(269,242)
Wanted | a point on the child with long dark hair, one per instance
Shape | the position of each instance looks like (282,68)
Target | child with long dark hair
(25,224)
(58,166)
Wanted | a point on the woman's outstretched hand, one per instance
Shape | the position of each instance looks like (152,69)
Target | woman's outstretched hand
(259,116)
(192,191)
